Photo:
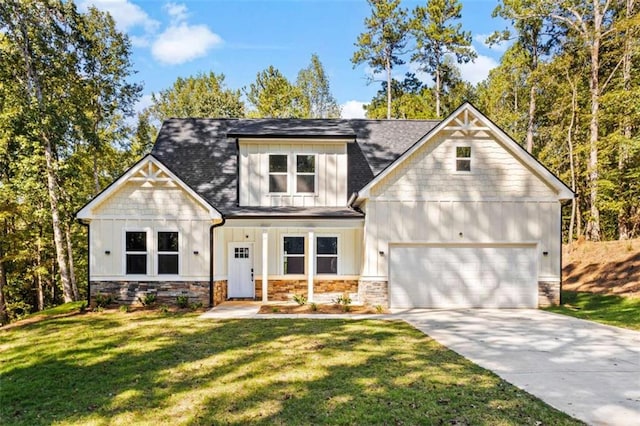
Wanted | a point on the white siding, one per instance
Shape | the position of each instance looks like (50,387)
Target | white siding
(349,248)
(162,207)
(331,174)
(478,221)
(429,174)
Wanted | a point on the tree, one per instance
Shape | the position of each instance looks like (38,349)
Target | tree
(272,95)
(382,44)
(534,41)
(202,95)
(438,38)
(314,85)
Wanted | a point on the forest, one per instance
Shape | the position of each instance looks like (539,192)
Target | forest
(567,89)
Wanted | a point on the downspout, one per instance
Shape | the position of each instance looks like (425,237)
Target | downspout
(212,259)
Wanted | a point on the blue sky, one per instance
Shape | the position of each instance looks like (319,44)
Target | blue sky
(240,38)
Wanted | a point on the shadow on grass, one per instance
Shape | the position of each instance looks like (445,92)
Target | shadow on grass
(177,369)
(608,309)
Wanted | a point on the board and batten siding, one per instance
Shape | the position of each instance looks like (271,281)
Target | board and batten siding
(426,200)
(349,248)
(331,174)
(136,207)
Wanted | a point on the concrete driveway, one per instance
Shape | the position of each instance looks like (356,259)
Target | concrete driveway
(587,370)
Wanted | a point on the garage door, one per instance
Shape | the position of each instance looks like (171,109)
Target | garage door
(455,276)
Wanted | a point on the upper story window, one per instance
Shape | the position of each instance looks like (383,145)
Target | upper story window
(306,173)
(168,253)
(278,173)
(327,255)
(136,252)
(293,256)
(463,158)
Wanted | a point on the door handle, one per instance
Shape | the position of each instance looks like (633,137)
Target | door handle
(251,274)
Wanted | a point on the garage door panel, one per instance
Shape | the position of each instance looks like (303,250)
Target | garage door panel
(463,276)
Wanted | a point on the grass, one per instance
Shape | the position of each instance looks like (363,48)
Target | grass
(607,309)
(173,368)
(65,308)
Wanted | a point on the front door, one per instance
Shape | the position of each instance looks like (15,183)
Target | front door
(240,277)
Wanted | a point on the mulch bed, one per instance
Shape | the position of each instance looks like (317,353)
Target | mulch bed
(319,309)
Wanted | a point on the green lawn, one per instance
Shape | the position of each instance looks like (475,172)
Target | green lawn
(154,368)
(612,310)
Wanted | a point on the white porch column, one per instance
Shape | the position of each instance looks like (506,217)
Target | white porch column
(310,265)
(265,263)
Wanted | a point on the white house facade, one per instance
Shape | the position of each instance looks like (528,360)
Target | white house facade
(401,213)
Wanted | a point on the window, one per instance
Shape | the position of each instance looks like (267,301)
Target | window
(463,158)
(327,255)
(136,252)
(278,173)
(241,253)
(293,255)
(305,173)
(168,253)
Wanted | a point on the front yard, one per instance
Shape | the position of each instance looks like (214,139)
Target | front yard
(167,368)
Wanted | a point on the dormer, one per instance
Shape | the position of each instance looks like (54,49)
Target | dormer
(298,163)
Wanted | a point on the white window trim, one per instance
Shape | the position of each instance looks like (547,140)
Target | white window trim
(303,256)
(337,255)
(158,252)
(149,251)
(315,173)
(456,158)
(287,173)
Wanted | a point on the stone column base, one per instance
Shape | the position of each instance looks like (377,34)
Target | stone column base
(373,293)
(548,293)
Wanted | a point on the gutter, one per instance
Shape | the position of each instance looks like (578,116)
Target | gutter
(212,259)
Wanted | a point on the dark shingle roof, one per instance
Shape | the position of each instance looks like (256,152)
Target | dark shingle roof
(202,152)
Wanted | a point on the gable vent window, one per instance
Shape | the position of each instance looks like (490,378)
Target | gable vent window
(463,159)
(305,173)
(168,253)
(278,173)
(136,252)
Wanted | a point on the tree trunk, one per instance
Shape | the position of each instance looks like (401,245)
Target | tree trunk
(388,68)
(96,175)
(39,286)
(58,238)
(572,168)
(72,272)
(4,314)
(438,93)
(623,154)
(593,225)
(531,120)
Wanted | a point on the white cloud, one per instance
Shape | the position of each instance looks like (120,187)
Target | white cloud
(126,14)
(475,72)
(352,109)
(182,43)
(178,12)
(498,47)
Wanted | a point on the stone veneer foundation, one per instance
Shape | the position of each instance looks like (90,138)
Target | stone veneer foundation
(281,290)
(548,293)
(128,292)
(374,293)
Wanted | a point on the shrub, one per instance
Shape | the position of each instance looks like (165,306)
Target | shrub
(103,300)
(379,309)
(344,301)
(148,300)
(164,309)
(124,308)
(83,306)
(314,306)
(275,310)
(300,299)
(195,306)
(182,301)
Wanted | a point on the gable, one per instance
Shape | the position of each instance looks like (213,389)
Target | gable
(500,168)
(148,190)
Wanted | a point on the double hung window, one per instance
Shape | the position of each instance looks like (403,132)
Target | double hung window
(168,253)
(136,252)
(327,255)
(293,256)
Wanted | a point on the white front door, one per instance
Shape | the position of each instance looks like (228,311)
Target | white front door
(240,276)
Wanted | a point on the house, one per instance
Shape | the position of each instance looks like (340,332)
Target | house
(401,213)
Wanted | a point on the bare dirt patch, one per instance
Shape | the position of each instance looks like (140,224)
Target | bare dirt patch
(610,267)
(319,309)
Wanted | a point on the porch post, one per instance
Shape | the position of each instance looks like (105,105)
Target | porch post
(310,266)
(265,263)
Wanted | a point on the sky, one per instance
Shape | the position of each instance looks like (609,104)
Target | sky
(240,38)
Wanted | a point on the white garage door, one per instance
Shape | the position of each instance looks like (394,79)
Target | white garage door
(455,276)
